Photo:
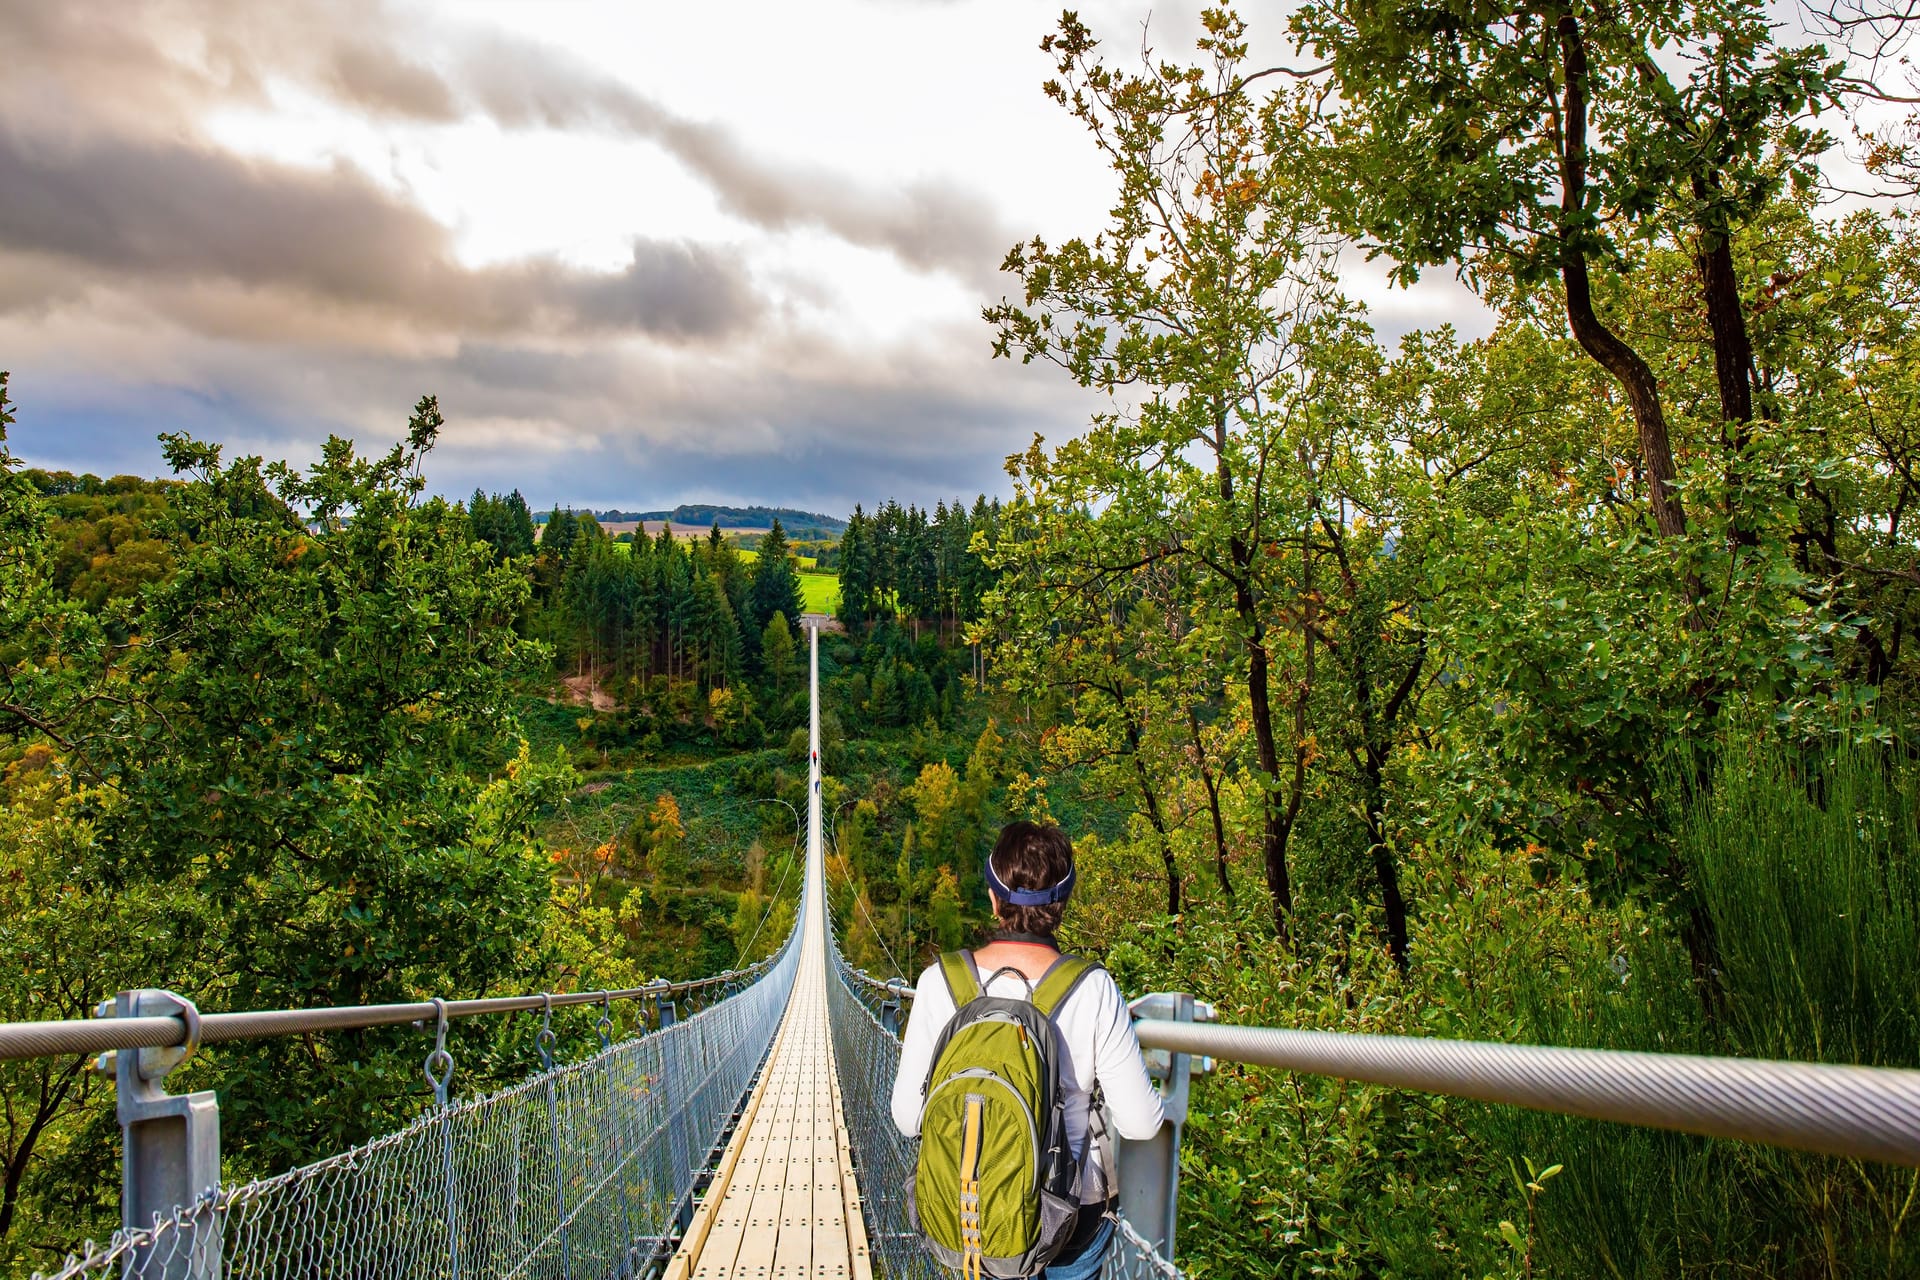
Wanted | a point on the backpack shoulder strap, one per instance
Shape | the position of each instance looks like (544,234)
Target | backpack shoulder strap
(1059,981)
(962,983)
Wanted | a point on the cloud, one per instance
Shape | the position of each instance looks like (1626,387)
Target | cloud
(159,65)
(519,84)
(152,279)
(786,418)
(171,213)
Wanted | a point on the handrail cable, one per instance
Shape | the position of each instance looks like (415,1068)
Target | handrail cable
(1861,1113)
(97,1035)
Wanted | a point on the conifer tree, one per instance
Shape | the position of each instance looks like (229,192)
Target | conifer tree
(776,585)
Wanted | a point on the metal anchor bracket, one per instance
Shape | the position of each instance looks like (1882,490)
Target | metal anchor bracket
(170,1143)
(1149,1170)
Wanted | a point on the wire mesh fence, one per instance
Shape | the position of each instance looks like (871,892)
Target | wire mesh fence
(1130,1257)
(578,1172)
(867,1056)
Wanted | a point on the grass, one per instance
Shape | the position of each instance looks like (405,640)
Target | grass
(1808,869)
(820,592)
(808,564)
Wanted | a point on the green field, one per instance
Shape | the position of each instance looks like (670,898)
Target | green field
(805,562)
(820,592)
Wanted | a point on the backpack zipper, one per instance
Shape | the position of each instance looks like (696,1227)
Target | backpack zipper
(984,1073)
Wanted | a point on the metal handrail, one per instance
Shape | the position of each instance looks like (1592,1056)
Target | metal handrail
(97,1035)
(1859,1113)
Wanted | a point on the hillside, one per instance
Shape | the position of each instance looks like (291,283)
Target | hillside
(797,523)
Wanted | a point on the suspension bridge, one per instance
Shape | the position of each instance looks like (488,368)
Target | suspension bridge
(751,1136)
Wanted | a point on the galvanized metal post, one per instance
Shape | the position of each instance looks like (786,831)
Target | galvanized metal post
(1149,1170)
(170,1143)
(890,1007)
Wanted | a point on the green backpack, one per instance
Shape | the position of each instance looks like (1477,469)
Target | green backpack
(996,1191)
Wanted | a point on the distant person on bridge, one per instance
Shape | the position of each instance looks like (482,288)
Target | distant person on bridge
(978,1065)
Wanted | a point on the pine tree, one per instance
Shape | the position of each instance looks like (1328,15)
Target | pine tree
(856,571)
(557,541)
(518,534)
(776,584)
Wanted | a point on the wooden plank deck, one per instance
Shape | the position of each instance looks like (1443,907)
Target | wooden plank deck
(783,1202)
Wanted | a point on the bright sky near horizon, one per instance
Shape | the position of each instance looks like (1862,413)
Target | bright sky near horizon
(642,253)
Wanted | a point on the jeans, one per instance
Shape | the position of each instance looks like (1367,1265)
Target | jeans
(1083,1263)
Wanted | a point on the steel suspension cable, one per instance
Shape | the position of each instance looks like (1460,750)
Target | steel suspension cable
(847,872)
(792,857)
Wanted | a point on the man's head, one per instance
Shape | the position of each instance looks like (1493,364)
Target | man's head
(1029,858)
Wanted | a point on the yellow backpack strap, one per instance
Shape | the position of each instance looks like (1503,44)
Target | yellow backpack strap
(1058,982)
(962,983)
(970,1242)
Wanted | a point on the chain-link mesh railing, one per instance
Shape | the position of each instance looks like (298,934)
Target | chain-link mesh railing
(1131,1258)
(866,1057)
(575,1174)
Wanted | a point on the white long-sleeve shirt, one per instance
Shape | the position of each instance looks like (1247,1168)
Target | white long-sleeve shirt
(1094,1036)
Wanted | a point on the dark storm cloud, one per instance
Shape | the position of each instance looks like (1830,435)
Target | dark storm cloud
(578,426)
(151,280)
(169,212)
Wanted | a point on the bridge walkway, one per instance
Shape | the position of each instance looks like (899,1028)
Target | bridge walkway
(784,1201)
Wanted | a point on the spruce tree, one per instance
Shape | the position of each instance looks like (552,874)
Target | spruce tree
(776,584)
(856,571)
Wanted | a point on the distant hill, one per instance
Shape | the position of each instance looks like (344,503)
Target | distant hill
(798,524)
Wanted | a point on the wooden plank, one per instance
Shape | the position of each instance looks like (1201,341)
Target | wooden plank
(680,1266)
(859,1262)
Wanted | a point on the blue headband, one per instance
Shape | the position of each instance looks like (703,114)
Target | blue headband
(1029,897)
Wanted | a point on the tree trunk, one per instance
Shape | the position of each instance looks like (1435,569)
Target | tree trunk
(1385,870)
(1277,824)
(1605,347)
(1212,785)
(1732,360)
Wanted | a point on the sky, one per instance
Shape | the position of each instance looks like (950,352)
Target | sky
(642,253)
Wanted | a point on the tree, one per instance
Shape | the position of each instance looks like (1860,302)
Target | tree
(517,535)
(945,916)
(856,571)
(309,774)
(665,838)
(779,656)
(776,582)
(1212,290)
(1537,140)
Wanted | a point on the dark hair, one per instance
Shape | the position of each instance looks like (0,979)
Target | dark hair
(1031,856)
